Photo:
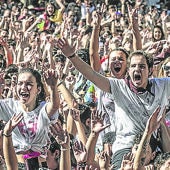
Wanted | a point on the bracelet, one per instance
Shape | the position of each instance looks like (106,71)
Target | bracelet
(96,28)
(59,83)
(7,135)
(73,55)
(93,134)
(65,149)
(81,164)
(64,76)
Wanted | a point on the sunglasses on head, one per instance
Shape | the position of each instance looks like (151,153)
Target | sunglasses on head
(166,68)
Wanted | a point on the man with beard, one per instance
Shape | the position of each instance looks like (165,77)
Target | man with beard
(135,97)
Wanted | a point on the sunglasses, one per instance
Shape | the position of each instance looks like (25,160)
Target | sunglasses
(166,68)
(2,124)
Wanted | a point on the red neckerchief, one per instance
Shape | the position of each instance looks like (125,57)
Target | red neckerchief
(137,90)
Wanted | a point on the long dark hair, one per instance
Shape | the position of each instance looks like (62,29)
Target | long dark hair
(37,75)
(162,33)
(48,4)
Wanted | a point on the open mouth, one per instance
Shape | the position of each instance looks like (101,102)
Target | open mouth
(117,68)
(137,77)
(50,12)
(168,74)
(24,95)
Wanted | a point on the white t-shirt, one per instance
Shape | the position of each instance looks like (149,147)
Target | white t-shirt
(26,137)
(133,110)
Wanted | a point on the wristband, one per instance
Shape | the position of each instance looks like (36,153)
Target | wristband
(81,164)
(7,135)
(73,55)
(60,83)
(65,149)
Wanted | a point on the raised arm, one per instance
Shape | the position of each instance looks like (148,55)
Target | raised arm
(69,98)
(165,135)
(96,127)
(8,149)
(61,5)
(8,53)
(123,7)
(63,139)
(80,130)
(51,79)
(164,18)
(94,43)
(69,51)
(80,154)
(137,42)
(152,124)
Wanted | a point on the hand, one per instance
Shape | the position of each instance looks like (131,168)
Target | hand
(75,113)
(164,16)
(97,19)
(12,123)
(61,135)
(88,167)
(149,167)
(59,70)
(133,14)
(67,49)
(29,56)
(2,42)
(153,122)
(2,73)
(163,121)
(51,78)
(80,152)
(14,79)
(127,162)
(122,1)
(104,160)
(155,47)
(138,3)
(166,47)
(97,122)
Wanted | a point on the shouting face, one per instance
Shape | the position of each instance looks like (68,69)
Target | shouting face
(27,88)
(139,71)
(117,63)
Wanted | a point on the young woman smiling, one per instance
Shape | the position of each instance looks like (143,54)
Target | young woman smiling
(31,134)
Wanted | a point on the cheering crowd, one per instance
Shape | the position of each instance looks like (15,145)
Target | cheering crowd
(84,85)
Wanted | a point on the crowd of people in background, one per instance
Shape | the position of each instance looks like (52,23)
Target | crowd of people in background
(84,85)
